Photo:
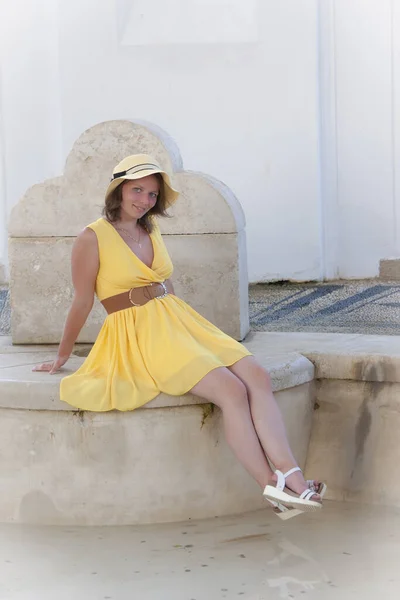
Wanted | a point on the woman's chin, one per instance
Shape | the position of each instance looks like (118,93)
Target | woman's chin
(137,212)
(134,214)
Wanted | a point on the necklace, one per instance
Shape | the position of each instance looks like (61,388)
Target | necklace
(130,236)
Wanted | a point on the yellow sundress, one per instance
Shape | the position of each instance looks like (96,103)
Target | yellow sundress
(163,346)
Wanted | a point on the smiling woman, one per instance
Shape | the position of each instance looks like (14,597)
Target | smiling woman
(130,208)
(140,199)
(152,341)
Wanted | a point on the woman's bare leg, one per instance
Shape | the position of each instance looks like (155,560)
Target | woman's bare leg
(223,388)
(268,420)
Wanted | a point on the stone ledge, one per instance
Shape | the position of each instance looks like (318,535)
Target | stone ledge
(389,269)
(7,347)
(287,355)
(20,388)
(339,356)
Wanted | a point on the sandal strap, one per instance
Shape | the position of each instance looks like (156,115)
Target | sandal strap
(294,470)
(281,483)
(307,494)
(312,486)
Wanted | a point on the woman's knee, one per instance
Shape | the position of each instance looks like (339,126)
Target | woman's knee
(221,387)
(252,374)
(236,395)
(260,376)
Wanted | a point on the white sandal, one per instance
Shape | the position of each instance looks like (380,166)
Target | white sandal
(285,513)
(320,489)
(291,505)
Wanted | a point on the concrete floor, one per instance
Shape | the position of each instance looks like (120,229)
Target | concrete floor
(346,552)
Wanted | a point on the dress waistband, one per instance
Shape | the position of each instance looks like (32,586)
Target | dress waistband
(137,296)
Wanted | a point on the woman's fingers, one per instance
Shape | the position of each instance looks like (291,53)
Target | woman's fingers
(56,366)
(52,367)
(43,367)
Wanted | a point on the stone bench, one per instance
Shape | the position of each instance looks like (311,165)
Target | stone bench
(167,461)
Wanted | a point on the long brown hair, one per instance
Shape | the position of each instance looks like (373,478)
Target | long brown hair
(112,207)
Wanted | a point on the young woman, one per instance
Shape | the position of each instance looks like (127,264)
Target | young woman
(152,342)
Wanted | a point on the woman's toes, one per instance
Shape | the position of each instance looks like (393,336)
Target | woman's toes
(316,498)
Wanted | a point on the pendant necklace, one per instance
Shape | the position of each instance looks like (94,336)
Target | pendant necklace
(130,236)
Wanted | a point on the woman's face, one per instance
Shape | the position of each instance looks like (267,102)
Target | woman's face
(139,196)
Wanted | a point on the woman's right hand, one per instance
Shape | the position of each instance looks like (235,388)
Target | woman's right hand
(52,367)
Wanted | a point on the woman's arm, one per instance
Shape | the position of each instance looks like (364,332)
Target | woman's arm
(85,266)
(172,286)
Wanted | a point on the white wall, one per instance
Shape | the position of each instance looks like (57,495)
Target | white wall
(30,125)
(364,134)
(290,103)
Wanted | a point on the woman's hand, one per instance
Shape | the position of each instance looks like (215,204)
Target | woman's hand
(52,367)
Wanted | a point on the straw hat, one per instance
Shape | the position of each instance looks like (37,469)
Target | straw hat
(137,166)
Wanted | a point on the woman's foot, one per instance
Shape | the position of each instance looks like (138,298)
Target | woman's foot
(317,486)
(296,484)
(290,490)
(290,500)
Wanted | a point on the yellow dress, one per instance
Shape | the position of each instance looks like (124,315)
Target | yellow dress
(163,346)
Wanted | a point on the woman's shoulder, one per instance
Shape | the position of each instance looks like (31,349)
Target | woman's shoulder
(97,225)
(155,228)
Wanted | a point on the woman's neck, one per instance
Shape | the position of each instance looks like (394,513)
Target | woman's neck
(127,223)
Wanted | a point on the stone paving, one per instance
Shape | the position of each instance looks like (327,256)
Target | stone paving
(367,307)
(5,312)
(370,307)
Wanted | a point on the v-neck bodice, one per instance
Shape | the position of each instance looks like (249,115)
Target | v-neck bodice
(130,249)
(120,268)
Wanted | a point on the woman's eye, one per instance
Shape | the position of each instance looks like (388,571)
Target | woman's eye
(137,190)
(153,195)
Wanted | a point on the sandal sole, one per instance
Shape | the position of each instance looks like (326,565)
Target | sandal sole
(275,495)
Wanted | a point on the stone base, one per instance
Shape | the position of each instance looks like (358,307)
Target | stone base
(389,269)
(165,462)
(354,442)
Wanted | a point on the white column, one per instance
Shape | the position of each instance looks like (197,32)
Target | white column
(328,150)
(364,134)
(396,124)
